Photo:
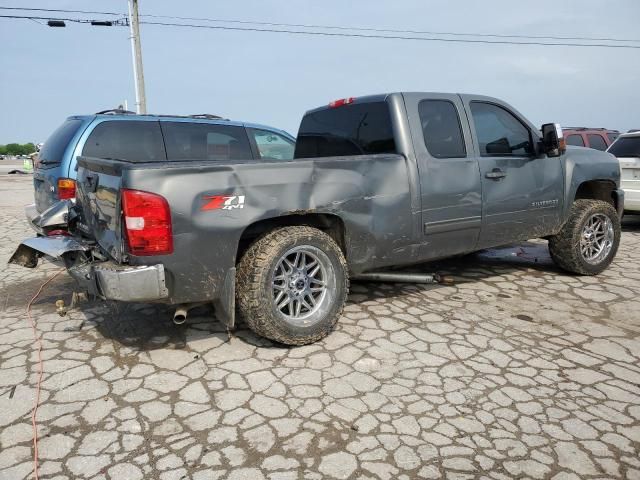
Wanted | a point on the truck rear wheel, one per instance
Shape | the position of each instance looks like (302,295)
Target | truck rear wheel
(588,240)
(292,284)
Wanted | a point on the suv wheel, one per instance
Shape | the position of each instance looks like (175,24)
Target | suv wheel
(588,240)
(292,284)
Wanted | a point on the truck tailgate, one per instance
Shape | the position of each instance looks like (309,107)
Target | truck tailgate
(98,198)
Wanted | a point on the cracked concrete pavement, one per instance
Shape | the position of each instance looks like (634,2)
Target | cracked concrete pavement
(517,370)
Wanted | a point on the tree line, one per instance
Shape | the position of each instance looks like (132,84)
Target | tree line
(17,149)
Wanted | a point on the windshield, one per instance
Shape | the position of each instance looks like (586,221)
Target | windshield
(626,147)
(55,146)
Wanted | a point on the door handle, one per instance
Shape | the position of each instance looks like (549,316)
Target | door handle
(496,174)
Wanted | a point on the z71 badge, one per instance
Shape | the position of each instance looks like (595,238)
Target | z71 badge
(222,202)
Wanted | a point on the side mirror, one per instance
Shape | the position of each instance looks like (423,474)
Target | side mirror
(553,143)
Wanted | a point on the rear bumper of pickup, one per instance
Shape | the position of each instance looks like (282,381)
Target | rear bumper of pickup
(127,283)
(106,279)
(130,284)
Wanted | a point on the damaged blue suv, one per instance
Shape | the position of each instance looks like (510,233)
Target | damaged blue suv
(55,168)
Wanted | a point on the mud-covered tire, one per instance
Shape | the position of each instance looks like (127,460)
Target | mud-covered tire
(256,295)
(565,247)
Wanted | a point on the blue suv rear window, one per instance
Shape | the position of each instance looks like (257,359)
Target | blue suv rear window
(55,146)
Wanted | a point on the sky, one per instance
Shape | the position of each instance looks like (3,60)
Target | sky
(47,74)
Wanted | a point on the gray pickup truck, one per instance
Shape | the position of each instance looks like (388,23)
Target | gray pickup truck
(376,182)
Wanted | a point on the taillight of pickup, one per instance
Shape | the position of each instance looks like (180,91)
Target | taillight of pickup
(147,222)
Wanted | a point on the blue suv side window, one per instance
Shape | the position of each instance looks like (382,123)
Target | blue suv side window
(272,146)
(128,140)
(205,141)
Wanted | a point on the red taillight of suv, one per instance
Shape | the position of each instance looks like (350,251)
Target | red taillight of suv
(66,188)
(147,222)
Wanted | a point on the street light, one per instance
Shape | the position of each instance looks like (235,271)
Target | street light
(132,21)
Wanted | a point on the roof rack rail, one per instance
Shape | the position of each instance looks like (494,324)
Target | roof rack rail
(206,116)
(115,111)
(589,128)
(634,130)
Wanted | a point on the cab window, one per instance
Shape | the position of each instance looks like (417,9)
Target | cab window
(499,132)
(441,129)
(272,146)
(575,140)
(596,141)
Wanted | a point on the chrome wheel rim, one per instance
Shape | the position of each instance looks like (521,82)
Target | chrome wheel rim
(597,238)
(299,282)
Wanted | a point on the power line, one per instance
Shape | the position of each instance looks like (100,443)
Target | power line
(335,27)
(387,37)
(347,35)
(381,30)
(60,10)
(118,22)
(23,17)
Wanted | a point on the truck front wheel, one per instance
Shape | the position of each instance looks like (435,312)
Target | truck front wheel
(588,240)
(292,284)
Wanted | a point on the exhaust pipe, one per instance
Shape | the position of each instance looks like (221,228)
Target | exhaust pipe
(180,315)
(403,277)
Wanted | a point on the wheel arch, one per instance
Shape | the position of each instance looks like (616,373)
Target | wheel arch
(331,224)
(604,190)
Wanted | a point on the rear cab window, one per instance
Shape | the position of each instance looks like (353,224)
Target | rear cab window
(205,141)
(53,149)
(352,129)
(127,140)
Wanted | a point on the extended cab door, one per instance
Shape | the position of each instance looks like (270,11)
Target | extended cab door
(449,176)
(522,191)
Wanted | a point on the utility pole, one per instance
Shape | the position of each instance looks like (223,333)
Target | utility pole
(136,50)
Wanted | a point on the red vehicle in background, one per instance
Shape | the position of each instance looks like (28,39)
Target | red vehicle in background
(598,138)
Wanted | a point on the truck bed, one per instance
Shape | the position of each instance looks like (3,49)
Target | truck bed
(370,195)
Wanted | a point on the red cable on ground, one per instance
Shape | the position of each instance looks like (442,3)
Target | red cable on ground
(39,350)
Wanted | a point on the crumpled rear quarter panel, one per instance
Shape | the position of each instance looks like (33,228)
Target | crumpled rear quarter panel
(371,194)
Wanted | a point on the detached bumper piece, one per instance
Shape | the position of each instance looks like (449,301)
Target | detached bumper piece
(31,249)
(105,279)
(56,216)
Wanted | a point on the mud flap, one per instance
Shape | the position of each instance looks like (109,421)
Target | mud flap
(31,249)
(225,305)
